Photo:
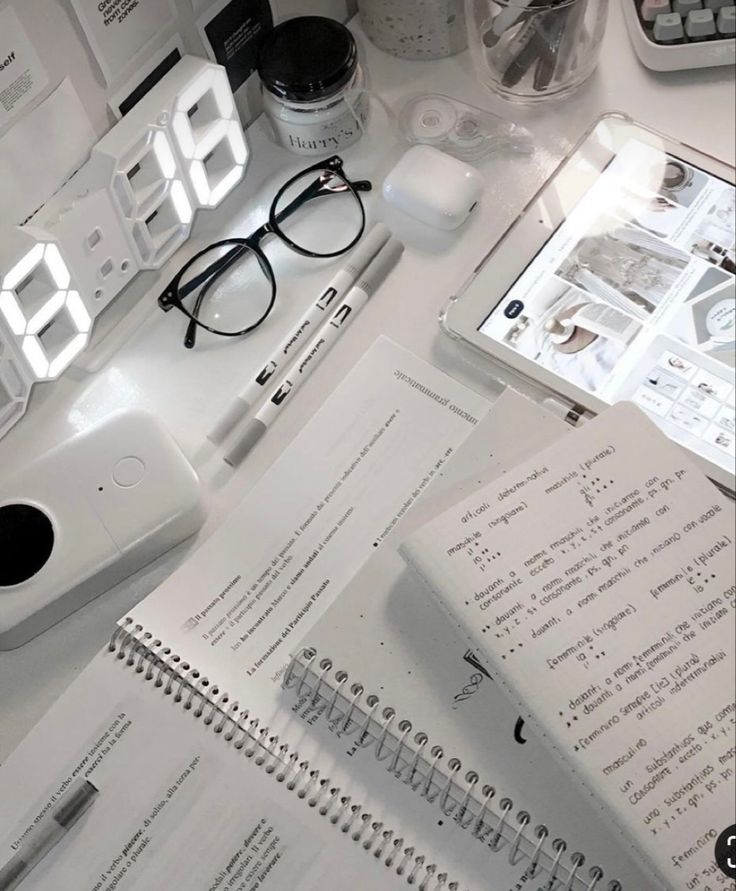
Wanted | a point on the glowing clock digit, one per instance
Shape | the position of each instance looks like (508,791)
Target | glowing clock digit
(181,148)
(210,137)
(148,188)
(44,312)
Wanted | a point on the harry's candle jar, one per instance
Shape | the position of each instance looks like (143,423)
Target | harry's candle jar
(313,85)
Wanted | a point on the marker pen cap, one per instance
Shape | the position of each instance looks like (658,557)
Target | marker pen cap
(236,411)
(365,252)
(253,431)
(378,270)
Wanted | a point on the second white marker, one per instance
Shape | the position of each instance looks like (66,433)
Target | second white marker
(367,284)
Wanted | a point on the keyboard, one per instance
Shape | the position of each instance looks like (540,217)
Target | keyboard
(671,35)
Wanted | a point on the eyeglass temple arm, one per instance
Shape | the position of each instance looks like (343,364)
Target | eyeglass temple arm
(314,190)
(216,268)
(318,189)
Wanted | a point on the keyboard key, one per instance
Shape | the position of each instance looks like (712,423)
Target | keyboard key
(715,5)
(650,9)
(727,21)
(668,28)
(700,24)
(683,7)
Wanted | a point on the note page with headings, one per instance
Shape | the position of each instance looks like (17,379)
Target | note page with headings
(598,581)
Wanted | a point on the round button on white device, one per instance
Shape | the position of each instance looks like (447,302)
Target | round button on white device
(128,472)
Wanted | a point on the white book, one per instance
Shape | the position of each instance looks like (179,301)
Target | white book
(387,636)
(597,580)
(235,610)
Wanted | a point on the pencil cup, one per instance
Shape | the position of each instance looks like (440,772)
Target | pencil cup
(531,50)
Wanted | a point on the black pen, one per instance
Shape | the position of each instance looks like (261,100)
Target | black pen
(549,58)
(574,23)
(534,43)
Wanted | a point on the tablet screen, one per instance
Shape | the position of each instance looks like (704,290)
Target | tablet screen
(634,297)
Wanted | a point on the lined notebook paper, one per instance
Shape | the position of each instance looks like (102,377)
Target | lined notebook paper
(598,581)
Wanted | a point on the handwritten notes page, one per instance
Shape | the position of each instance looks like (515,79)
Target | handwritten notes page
(394,641)
(598,580)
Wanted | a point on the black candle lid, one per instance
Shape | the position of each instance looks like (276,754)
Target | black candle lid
(307,58)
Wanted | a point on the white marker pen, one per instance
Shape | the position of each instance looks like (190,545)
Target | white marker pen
(314,316)
(318,347)
(71,808)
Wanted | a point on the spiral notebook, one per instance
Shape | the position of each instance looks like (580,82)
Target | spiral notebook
(187,798)
(540,831)
(424,708)
(158,726)
(388,671)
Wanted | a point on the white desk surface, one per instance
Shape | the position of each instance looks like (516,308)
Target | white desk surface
(187,390)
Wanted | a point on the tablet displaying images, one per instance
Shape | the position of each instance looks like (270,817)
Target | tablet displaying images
(629,294)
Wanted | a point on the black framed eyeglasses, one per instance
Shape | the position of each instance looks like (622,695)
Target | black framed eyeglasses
(303,218)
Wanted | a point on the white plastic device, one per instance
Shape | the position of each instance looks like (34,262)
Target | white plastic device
(434,187)
(88,514)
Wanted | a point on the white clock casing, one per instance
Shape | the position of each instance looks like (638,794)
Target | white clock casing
(112,499)
(129,208)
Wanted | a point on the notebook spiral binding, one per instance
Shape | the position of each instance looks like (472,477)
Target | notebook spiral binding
(419,764)
(138,650)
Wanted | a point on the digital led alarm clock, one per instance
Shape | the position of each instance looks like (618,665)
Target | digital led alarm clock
(129,208)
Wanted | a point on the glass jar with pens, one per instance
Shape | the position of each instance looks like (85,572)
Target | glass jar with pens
(531,50)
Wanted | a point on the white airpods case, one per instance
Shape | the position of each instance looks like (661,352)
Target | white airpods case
(434,187)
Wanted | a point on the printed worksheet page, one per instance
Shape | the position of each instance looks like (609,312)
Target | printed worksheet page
(185,800)
(176,805)
(236,610)
(597,579)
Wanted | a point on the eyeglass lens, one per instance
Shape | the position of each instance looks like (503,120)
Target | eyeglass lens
(329,218)
(236,300)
